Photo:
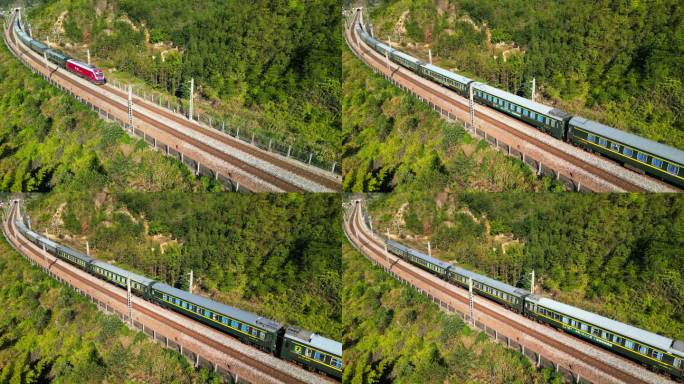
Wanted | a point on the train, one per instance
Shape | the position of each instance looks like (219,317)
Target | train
(306,348)
(660,353)
(84,70)
(634,152)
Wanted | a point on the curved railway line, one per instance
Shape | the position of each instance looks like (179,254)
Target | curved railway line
(277,371)
(283,175)
(586,362)
(611,182)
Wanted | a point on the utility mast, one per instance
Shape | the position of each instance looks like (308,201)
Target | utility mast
(192,90)
(534,87)
(532,282)
(190,285)
(471,301)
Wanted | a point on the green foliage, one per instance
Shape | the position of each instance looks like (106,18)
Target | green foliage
(614,254)
(50,141)
(274,254)
(394,142)
(393,334)
(621,63)
(278,59)
(42,341)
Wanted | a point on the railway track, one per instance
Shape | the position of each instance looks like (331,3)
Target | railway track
(273,172)
(288,373)
(611,183)
(584,359)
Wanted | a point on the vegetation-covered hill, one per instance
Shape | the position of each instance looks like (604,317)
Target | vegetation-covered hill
(48,140)
(48,333)
(393,141)
(277,62)
(395,335)
(274,254)
(621,62)
(619,255)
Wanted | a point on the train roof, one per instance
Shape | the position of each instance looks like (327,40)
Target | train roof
(421,255)
(449,74)
(214,306)
(57,53)
(125,273)
(630,139)
(523,102)
(407,57)
(316,341)
(48,241)
(38,43)
(75,253)
(383,46)
(614,326)
(30,232)
(519,292)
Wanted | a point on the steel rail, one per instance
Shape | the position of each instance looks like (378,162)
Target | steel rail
(374,250)
(278,376)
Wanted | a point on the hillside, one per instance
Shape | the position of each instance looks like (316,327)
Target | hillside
(49,333)
(267,65)
(274,254)
(616,254)
(395,335)
(49,141)
(621,63)
(395,142)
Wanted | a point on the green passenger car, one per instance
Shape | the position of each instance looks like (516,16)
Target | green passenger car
(312,350)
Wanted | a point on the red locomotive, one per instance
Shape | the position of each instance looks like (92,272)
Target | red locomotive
(87,71)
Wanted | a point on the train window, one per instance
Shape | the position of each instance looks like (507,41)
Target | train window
(596,332)
(608,336)
(317,355)
(629,344)
(656,162)
(540,118)
(224,320)
(584,327)
(615,146)
(627,151)
(673,169)
(603,142)
(656,354)
(591,138)
(642,157)
(643,349)
(308,352)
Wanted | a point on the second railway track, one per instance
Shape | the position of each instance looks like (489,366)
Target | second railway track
(293,375)
(357,231)
(310,179)
(374,61)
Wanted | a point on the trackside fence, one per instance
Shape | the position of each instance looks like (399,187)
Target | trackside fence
(508,341)
(197,168)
